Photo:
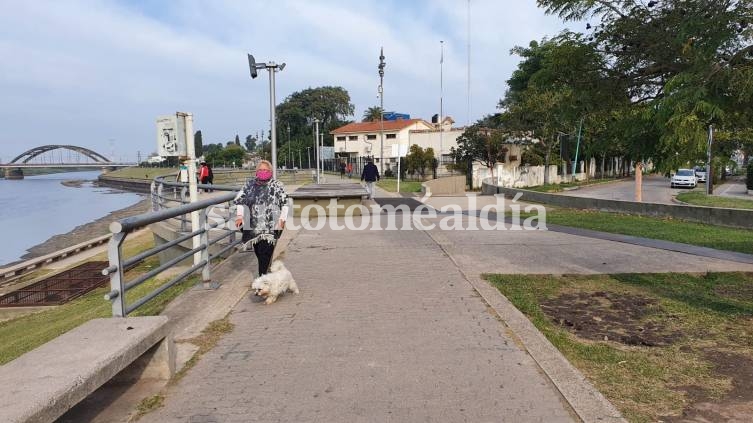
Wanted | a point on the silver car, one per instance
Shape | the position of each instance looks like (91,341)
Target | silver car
(700,174)
(683,178)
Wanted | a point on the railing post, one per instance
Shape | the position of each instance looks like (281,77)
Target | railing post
(185,216)
(116,294)
(206,275)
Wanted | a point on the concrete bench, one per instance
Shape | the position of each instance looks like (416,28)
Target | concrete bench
(44,383)
(345,195)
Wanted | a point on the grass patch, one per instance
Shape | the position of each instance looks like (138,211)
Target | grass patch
(23,334)
(561,187)
(405,186)
(701,199)
(722,238)
(147,173)
(147,405)
(710,313)
(208,339)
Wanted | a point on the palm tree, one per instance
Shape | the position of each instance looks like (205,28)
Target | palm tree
(372,114)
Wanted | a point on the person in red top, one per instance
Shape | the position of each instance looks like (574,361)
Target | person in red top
(204,175)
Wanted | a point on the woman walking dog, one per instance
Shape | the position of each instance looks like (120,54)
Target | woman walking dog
(262,210)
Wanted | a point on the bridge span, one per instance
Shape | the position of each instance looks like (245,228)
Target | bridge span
(45,157)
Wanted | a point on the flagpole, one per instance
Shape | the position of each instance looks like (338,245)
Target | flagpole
(441,94)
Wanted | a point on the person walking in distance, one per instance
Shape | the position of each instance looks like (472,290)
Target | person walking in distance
(342,170)
(210,176)
(370,175)
(349,170)
(204,175)
(261,213)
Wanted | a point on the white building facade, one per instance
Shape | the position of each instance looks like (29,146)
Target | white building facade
(364,138)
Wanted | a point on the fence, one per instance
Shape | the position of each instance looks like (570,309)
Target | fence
(169,202)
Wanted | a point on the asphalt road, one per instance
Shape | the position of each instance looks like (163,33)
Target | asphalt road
(655,190)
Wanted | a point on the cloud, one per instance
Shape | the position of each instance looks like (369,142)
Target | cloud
(85,72)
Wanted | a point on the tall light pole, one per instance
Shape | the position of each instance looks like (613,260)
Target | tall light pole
(308,154)
(709,176)
(441,92)
(382,64)
(290,150)
(272,68)
(322,150)
(316,147)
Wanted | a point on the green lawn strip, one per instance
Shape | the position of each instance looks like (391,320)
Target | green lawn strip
(562,186)
(701,199)
(647,382)
(22,334)
(148,173)
(405,186)
(719,237)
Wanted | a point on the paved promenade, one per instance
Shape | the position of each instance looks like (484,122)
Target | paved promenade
(390,326)
(386,328)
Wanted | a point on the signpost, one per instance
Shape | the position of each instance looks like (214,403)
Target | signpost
(175,139)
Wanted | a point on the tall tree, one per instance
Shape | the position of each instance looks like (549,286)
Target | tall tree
(372,114)
(250,143)
(198,143)
(330,105)
(481,144)
(690,61)
(237,140)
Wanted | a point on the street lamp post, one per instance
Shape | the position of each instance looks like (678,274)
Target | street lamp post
(316,147)
(272,68)
(382,64)
(308,155)
(709,176)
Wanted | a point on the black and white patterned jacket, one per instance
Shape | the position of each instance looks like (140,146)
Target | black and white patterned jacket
(267,203)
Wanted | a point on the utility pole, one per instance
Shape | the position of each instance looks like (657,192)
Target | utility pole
(441,92)
(709,175)
(382,64)
(316,147)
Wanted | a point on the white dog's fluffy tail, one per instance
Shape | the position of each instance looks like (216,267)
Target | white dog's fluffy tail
(276,266)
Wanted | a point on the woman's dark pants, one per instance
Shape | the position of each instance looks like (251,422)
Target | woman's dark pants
(264,251)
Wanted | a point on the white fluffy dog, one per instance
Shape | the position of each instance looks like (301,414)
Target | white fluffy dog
(275,283)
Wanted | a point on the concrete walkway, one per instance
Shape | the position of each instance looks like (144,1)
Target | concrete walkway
(398,326)
(386,328)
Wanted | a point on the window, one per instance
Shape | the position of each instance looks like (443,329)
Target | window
(391,136)
(353,138)
(341,138)
(371,137)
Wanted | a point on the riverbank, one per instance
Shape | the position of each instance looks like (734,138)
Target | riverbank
(86,231)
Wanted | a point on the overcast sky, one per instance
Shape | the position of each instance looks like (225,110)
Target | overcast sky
(97,73)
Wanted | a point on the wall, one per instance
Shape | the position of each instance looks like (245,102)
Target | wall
(450,185)
(513,175)
(711,215)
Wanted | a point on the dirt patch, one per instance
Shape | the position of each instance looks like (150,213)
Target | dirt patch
(735,292)
(735,406)
(608,316)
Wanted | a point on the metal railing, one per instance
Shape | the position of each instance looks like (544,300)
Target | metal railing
(170,202)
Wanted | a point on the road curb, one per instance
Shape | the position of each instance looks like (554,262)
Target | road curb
(583,398)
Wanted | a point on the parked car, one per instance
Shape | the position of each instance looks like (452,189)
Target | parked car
(700,174)
(683,178)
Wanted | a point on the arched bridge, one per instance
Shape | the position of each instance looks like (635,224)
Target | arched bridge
(57,156)
(27,156)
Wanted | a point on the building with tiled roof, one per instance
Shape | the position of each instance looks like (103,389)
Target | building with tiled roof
(360,139)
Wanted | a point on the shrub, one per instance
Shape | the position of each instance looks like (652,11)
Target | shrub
(749,182)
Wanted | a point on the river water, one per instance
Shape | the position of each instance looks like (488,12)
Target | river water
(38,207)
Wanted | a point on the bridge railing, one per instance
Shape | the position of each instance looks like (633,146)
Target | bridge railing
(216,237)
